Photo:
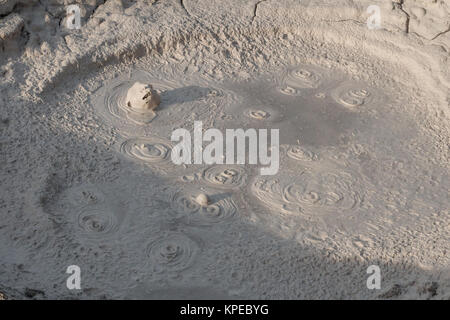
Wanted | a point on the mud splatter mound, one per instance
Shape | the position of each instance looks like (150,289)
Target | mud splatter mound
(141,97)
(87,176)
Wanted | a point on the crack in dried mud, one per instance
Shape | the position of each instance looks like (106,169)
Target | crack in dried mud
(184,8)
(441,34)
(255,9)
(408,18)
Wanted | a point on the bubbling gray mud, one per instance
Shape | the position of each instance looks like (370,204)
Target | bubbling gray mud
(305,104)
(97,223)
(352,95)
(301,153)
(181,103)
(221,208)
(263,115)
(152,152)
(308,188)
(364,172)
(83,195)
(311,192)
(116,105)
(148,150)
(172,252)
(225,176)
(114,95)
(92,215)
(295,79)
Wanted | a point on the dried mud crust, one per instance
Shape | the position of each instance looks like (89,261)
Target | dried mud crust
(69,195)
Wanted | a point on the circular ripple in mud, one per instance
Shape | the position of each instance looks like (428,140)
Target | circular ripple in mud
(263,114)
(258,114)
(97,223)
(172,252)
(148,150)
(225,176)
(111,101)
(181,103)
(352,95)
(217,211)
(312,193)
(116,105)
(301,77)
(83,195)
(290,91)
(301,154)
